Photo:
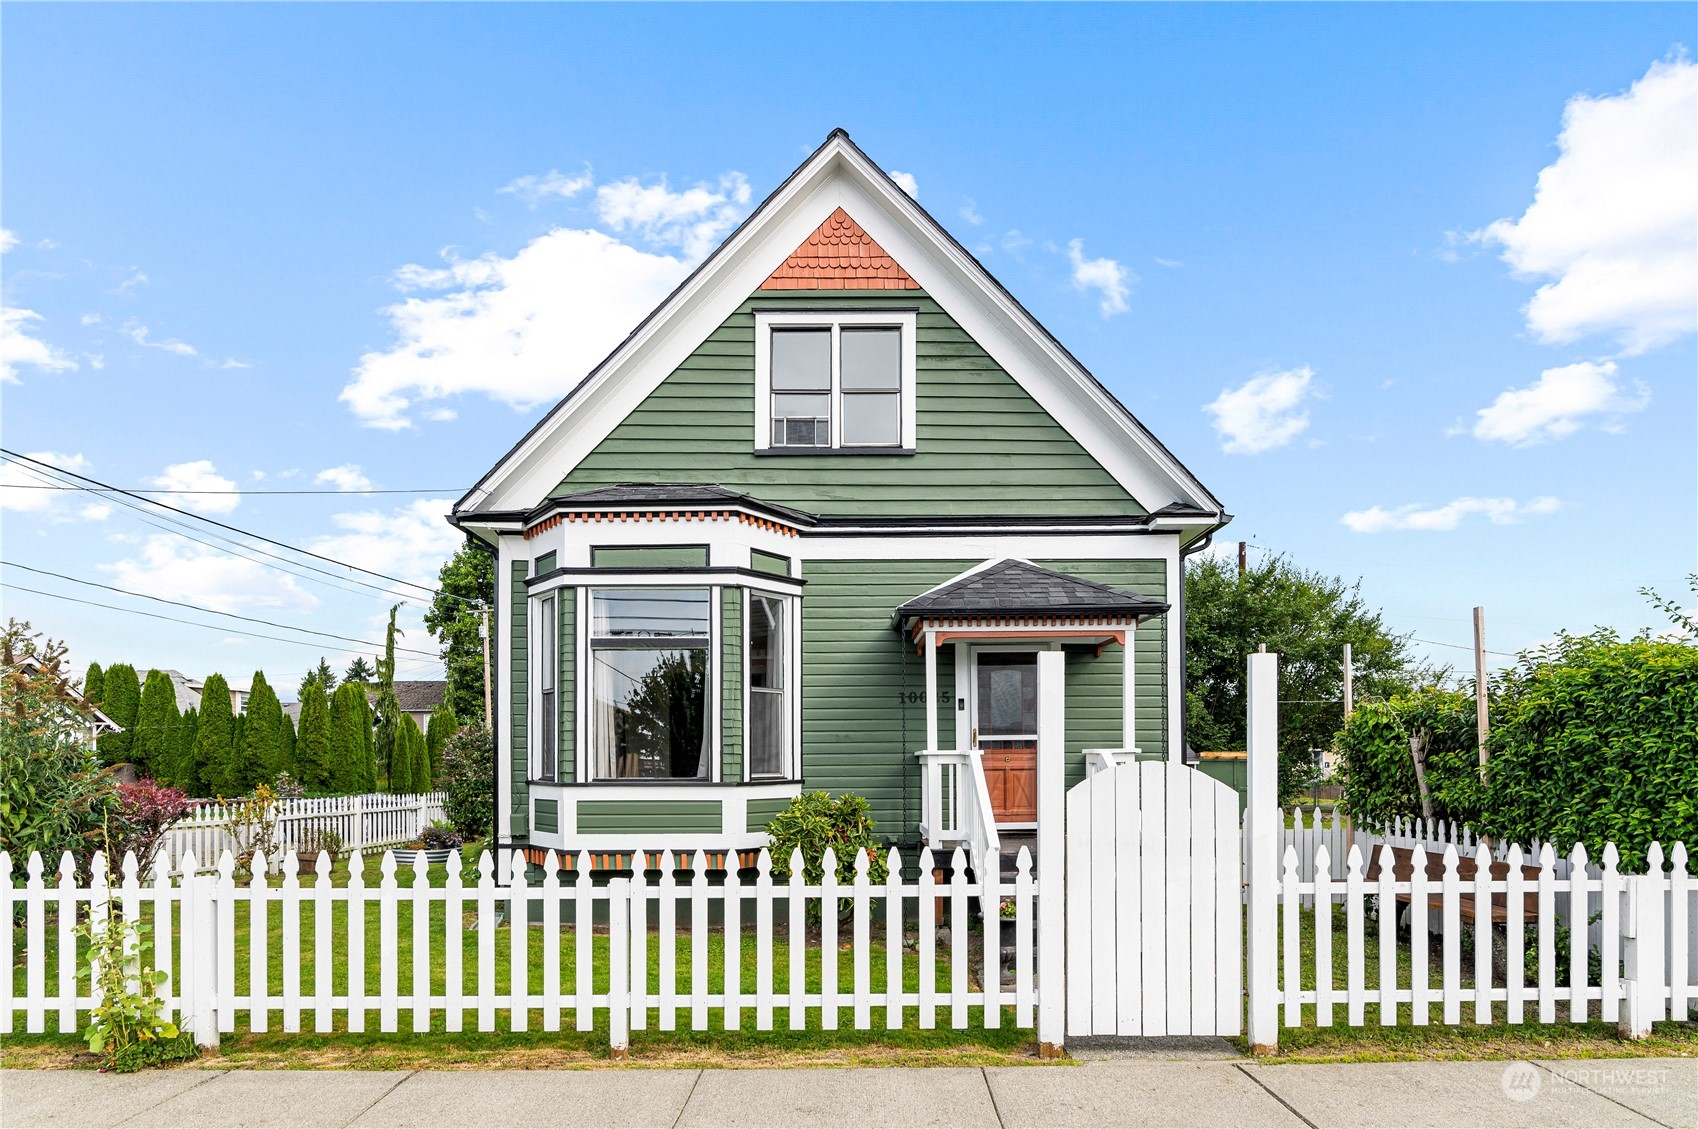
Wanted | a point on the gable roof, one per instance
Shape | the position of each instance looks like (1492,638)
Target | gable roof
(1019,587)
(838,176)
(839,255)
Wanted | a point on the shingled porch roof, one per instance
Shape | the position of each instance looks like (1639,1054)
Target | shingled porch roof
(1020,588)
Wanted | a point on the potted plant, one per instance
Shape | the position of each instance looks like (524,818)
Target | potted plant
(325,841)
(437,841)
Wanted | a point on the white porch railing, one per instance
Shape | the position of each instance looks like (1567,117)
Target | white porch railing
(955,807)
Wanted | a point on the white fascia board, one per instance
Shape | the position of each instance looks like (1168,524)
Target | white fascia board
(991,547)
(838,176)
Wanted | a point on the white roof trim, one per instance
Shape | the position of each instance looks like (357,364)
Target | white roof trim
(837,175)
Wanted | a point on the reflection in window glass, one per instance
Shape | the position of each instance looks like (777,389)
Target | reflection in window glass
(766,686)
(801,360)
(650,612)
(649,664)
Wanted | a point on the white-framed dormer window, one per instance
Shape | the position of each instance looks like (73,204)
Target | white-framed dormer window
(834,380)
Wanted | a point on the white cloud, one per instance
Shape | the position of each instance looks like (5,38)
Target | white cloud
(1499,511)
(970,212)
(8,240)
(1171,264)
(90,319)
(1105,276)
(906,182)
(1614,220)
(17,347)
(95,511)
(523,330)
(232,362)
(345,477)
(535,189)
(136,279)
(198,475)
(140,333)
(1014,241)
(411,542)
(18,481)
(694,220)
(1558,404)
(1264,412)
(174,568)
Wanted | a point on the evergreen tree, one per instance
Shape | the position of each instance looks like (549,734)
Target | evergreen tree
(312,745)
(321,676)
(347,742)
(465,589)
(262,741)
(388,707)
(120,701)
(421,758)
(358,671)
(154,746)
(239,752)
(443,725)
(286,744)
(368,746)
(185,773)
(93,685)
(216,768)
(402,760)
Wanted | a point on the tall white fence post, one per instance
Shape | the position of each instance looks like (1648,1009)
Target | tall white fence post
(619,965)
(201,971)
(1052,840)
(1642,949)
(1264,823)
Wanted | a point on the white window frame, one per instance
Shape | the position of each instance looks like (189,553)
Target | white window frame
(792,628)
(544,622)
(835,320)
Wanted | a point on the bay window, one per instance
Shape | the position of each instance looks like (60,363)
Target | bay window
(649,665)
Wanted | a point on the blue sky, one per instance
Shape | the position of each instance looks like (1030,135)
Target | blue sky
(269,247)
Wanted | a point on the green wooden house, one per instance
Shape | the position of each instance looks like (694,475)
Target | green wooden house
(807,528)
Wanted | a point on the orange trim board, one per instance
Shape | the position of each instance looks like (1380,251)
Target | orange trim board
(839,255)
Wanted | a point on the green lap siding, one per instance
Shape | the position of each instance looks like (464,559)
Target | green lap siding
(731,682)
(761,812)
(548,816)
(649,556)
(650,817)
(518,666)
(984,445)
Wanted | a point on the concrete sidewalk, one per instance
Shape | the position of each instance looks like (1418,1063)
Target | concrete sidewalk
(1117,1091)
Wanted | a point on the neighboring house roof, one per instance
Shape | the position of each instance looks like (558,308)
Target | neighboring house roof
(836,177)
(99,722)
(420,695)
(839,255)
(187,689)
(1017,587)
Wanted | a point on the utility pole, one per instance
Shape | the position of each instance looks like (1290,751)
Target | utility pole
(1241,559)
(1480,710)
(483,634)
(1349,685)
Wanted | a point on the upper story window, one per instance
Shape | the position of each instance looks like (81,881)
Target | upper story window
(834,381)
(649,651)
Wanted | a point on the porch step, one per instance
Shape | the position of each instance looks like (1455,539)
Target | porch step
(1011,844)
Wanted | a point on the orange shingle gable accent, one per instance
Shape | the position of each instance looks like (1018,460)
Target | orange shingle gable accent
(839,256)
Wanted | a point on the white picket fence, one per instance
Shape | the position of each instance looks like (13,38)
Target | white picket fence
(1647,967)
(378,819)
(216,972)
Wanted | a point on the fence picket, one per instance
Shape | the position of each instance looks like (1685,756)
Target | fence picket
(583,928)
(1356,964)
(1386,911)
(259,968)
(926,943)
(1291,969)
(959,930)
(1152,880)
(1323,937)
(551,941)
(1201,902)
(639,941)
(1450,886)
(734,940)
(1482,934)
(797,981)
(290,895)
(1023,995)
(1609,948)
(829,982)
(1128,909)
(486,939)
(65,910)
(1547,934)
(698,944)
(35,963)
(1176,785)
(356,894)
(1680,937)
(990,910)
(518,935)
(763,940)
(893,946)
(862,955)
(1515,936)
(1577,917)
(667,941)
(419,895)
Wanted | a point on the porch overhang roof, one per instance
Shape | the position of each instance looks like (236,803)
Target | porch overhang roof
(1018,599)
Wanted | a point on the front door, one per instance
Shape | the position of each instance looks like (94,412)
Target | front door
(1005,728)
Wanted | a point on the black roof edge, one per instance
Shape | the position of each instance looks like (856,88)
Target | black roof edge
(826,522)
(839,131)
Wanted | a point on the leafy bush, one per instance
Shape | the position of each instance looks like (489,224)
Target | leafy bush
(817,820)
(129,1026)
(468,767)
(145,811)
(1597,743)
(54,794)
(440,837)
(1377,769)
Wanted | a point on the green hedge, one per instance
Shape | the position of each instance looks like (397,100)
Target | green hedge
(1594,740)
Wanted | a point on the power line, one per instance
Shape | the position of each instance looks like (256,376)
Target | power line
(245,493)
(208,611)
(1460,647)
(108,487)
(166,618)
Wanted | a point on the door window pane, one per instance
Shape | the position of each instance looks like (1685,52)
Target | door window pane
(801,360)
(872,360)
(872,419)
(1008,693)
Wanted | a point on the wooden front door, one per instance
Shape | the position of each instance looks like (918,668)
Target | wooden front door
(1005,715)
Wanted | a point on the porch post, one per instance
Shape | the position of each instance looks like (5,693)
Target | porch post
(1129,694)
(1052,908)
(963,692)
(931,690)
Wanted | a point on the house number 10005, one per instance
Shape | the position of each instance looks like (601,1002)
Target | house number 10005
(916,697)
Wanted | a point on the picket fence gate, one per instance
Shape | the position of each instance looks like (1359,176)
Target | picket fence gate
(633,952)
(361,822)
(1155,925)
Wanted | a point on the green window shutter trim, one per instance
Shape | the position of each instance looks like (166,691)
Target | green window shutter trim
(566,684)
(649,556)
(650,817)
(731,684)
(519,667)
(769,563)
(548,816)
(545,563)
